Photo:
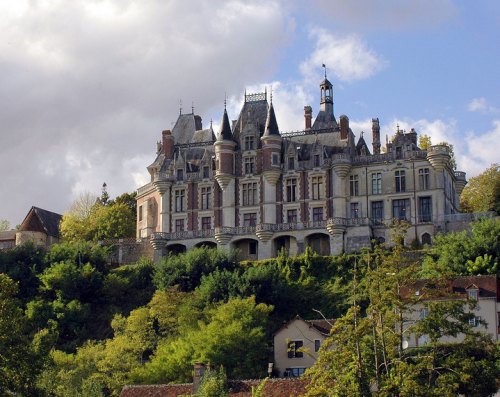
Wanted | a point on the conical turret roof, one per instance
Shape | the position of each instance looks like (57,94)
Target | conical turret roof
(225,130)
(271,123)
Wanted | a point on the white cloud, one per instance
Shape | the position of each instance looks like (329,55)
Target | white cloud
(347,57)
(481,105)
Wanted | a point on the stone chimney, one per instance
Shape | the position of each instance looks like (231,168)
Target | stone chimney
(376,136)
(168,144)
(308,116)
(199,371)
(344,126)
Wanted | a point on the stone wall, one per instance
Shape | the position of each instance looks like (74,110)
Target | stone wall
(128,250)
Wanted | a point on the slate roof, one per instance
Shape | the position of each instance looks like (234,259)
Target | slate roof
(185,127)
(49,221)
(225,129)
(252,119)
(359,147)
(271,127)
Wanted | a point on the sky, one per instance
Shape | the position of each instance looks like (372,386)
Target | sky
(87,86)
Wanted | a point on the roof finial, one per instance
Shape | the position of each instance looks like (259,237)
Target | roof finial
(271,94)
(225,100)
(192,107)
(210,123)
(324,66)
(180,107)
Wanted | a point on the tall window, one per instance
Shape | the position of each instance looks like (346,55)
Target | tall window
(291,216)
(249,165)
(249,193)
(400,180)
(206,223)
(249,143)
(317,160)
(141,208)
(354,185)
(354,210)
(179,200)
(425,209)
(206,172)
(250,219)
(291,163)
(424,179)
(275,159)
(291,190)
(317,187)
(377,183)
(180,174)
(317,214)
(401,209)
(206,197)
(295,349)
(179,225)
(377,211)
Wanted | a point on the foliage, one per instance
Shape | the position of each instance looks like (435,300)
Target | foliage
(482,192)
(424,141)
(213,384)
(4,225)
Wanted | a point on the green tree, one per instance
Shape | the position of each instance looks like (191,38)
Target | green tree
(213,384)
(482,192)
(4,225)
(424,141)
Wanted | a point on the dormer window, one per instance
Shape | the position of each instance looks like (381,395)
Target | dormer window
(317,160)
(180,174)
(206,172)
(291,163)
(472,293)
(249,143)
(249,165)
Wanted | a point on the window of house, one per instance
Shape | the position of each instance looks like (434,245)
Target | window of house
(425,209)
(275,159)
(250,219)
(317,162)
(179,225)
(249,193)
(377,183)
(206,197)
(294,372)
(252,248)
(206,172)
(378,211)
(317,345)
(400,180)
(291,190)
(249,143)
(291,216)
(475,321)
(317,187)
(354,185)
(426,239)
(354,210)
(399,152)
(206,223)
(249,165)
(180,174)
(424,179)
(424,312)
(317,214)
(179,200)
(295,349)
(291,163)
(401,209)
(472,294)
(141,208)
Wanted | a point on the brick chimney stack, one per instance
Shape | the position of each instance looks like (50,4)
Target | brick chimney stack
(344,126)
(376,136)
(168,144)
(308,116)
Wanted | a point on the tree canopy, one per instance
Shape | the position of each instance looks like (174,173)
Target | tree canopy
(482,192)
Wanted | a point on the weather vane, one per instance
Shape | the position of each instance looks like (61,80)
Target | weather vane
(325,70)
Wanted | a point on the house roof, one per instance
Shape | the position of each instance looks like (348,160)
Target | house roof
(275,387)
(42,220)
(323,326)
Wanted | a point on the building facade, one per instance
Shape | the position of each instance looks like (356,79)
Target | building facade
(253,188)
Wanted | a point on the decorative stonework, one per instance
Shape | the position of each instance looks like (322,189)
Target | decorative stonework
(158,241)
(341,165)
(438,156)
(161,186)
(336,226)
(272,176)
(223,235)
(264,231)
(223,179)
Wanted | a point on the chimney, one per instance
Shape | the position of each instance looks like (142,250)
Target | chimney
(168,144)
(199,371)
(308,116)
(376,136)
(344,126)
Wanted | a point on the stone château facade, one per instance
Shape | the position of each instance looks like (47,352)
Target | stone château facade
(256,189)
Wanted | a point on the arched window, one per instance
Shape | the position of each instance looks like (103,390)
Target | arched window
(426,239)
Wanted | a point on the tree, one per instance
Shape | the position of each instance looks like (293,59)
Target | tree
(213,384)
(482,193)
(4,225)
(424,142)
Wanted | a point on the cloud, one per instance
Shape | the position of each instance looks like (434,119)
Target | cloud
(481,105)
(347,57)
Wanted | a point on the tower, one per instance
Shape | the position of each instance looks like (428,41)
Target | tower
(376,136)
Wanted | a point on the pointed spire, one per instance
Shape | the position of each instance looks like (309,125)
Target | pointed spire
(271,123)
(225,129)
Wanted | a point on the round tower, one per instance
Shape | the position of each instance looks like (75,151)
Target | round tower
(224,154)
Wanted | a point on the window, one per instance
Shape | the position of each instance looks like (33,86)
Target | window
(354,210)
(425,209)
(179,225)
(474,321)
(317,214)
(206,197)
(249,163)
(141,208)
(399,152)
(206,172)
(317,160)
(378,211)
(250,219)
(180,174)
(291,216)
(294,372)
(423,177)
(206,223)
(401,209)
(426,239)
(179,200)
(275,159)
(317,345)
(424,312)
(252,248)
(249,192)
(317,187)
(295,349)
(400,181)
(472,294)
(353,184)
(291,163)
(377,183)
(291,189)
(249,143)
